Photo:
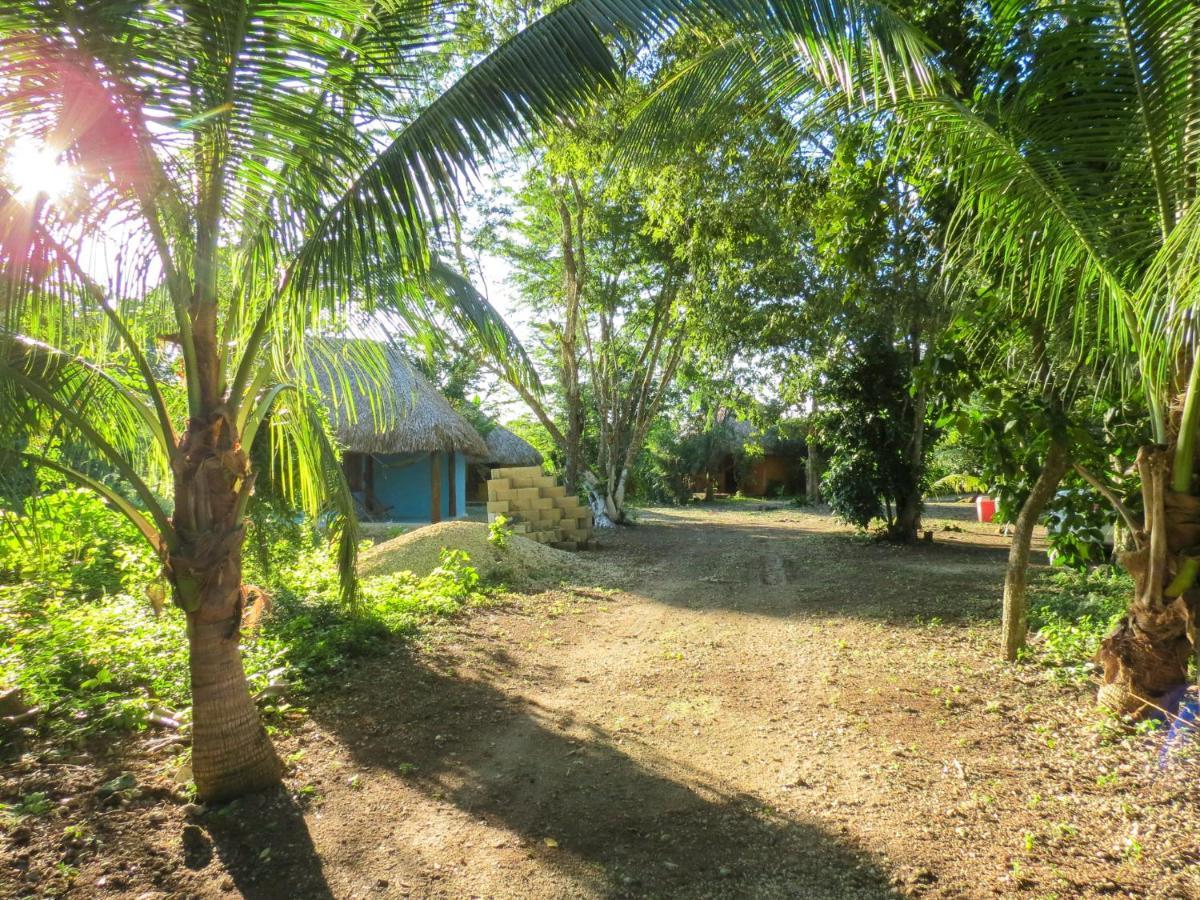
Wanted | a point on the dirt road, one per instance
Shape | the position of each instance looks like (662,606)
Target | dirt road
(770,707)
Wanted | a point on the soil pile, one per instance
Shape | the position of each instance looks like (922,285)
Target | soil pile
(520,563)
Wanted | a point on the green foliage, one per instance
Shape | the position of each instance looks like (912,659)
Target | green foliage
(96,657)
(869,430)
(70,538)
(1071,612)
(499,532)
(1075,524)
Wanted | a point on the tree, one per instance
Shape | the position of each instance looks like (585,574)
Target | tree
(611,296)
(1077,182)
(252,173)
(1071,158)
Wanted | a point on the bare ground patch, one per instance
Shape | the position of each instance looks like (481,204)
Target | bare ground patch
(770,707)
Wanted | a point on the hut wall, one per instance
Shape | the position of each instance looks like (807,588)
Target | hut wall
(404,482)
(768,472)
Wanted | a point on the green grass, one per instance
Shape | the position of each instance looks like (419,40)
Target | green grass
(82,640)
(1071,612)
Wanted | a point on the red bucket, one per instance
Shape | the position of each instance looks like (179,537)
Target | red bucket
(985,508)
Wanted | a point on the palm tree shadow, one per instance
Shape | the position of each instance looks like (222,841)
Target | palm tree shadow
(616,823)
(264,845)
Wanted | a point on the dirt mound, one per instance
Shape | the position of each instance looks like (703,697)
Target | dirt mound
(520,563)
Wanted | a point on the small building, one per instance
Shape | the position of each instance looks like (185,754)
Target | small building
(405,450)
(751,462)
(505,451)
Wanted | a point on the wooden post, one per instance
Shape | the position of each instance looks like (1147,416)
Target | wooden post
(453,489)
(368,477)
(435,489)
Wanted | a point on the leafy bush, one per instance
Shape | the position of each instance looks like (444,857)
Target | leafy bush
(71,539)
(1075,523)
(499,532)
(850,487)
(1071,612)
(868,425)
(95,656)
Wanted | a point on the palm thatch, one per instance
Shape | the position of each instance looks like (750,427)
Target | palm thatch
(505,449)
(379,403)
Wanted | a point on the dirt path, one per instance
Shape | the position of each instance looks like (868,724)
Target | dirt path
(770,708)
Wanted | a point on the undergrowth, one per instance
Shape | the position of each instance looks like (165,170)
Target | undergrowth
(81,639)
(1070,612)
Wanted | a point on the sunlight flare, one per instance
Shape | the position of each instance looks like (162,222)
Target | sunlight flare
(33,169)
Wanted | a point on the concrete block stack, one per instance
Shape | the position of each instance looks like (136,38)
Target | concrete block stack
(538,507)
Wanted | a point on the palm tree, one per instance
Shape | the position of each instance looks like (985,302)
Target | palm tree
(1077,179)
(1075,161)
(192,190)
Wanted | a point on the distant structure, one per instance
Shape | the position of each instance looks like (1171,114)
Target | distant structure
(406,451)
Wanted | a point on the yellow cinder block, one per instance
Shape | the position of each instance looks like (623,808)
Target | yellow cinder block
(497,506)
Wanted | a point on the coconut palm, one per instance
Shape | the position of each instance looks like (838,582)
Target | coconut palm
(1075,163)
(1077,177)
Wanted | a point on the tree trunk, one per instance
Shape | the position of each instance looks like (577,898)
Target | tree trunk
(812,475)
(1147,654)
(812,464)
(910,503)
(231,753)
(908,517)
(1015,624)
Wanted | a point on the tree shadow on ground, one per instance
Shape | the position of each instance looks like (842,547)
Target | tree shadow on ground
(588,804)
(264,845)
(795,568)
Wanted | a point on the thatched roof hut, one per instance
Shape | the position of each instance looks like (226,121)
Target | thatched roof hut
(506,450)
(379,403)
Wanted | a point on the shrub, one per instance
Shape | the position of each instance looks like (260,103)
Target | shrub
(94,655)
(1071,612)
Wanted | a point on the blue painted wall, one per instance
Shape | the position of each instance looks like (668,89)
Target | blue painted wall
(402,482)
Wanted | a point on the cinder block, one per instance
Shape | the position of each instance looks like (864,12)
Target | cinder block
(543,503)
(553,514)
(567,503)
(497,506)
(506,494)
(526,494)
(499,484)
(556,491)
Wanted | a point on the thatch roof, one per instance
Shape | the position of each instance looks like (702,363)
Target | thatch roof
(506,449)
(379,403)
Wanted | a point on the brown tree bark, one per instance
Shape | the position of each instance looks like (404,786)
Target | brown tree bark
(1148,653)
(1015,622)
(231,752)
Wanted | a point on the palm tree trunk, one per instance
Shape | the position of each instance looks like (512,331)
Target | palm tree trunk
(231,753)
(1147,654)
(1015,623)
